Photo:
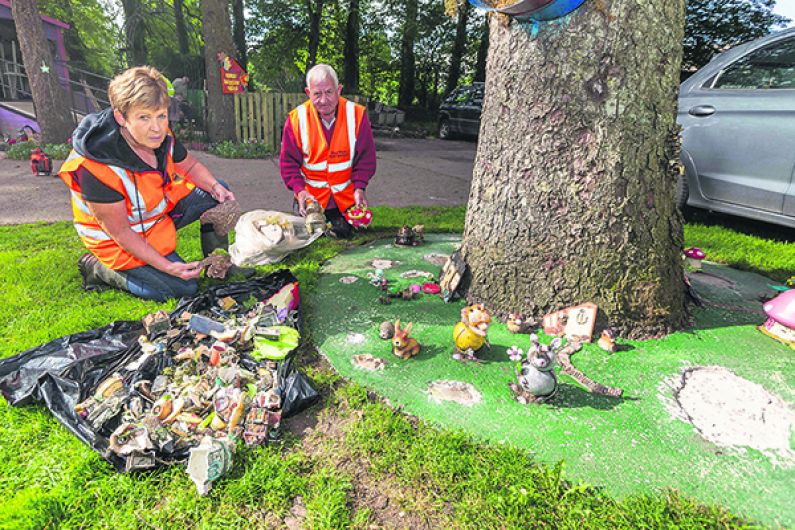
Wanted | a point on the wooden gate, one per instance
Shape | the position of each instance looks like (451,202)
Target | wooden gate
(260,116)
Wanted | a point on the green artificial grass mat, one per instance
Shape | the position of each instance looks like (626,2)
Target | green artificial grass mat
(363,465)
(628,445)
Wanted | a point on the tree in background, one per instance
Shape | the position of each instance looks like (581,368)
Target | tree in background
(459,46)
(314,9)
(180,26)
(134,31)
(407,64)
(239,32)
(483,50)
(52,111)
(351,55)
(217,39)
(572,194)
(713,26)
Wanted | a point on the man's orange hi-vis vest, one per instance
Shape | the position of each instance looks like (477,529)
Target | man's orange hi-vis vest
(148,203)
(327,168)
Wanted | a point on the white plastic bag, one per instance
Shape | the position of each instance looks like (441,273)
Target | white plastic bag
(266,236)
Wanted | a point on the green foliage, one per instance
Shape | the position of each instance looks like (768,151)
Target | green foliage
(252,149)
(712,26)
(326,506)
(22,150)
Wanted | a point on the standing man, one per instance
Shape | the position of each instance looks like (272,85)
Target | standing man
(328,152)
(133,185)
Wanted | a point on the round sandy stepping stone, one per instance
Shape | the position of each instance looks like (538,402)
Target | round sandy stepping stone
(367,362)
(435,259)
(733,412)
(347,280)
(355,338)
(384,264)
(455,391)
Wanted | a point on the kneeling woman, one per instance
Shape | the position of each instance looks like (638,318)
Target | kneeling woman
(133,186)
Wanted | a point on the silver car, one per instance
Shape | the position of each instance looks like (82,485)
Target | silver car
(738,142)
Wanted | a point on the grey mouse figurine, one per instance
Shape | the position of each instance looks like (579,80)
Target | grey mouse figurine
(536,379)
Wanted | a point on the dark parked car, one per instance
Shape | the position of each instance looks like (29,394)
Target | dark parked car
(459,114)
(738,139)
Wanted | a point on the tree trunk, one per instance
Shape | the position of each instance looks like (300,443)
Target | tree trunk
(134,30)
(459,46)
(239,33)
(352,49)
(315,16)
(572,196)
(407,62)
(181,30)
(52,109)
(217,39)
(483,49)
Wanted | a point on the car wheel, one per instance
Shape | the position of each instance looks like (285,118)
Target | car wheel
(682,192)
(444,130)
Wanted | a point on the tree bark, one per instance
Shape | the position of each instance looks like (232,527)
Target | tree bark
(572,198)
(407,61)
(52,109)
(459,46)
(315,11)
(351,81)
(181,29)
(239,33)
(483,50)
(217,39)
(134,30)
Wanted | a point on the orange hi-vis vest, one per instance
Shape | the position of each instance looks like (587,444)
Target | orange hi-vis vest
(327,168)
(148,203)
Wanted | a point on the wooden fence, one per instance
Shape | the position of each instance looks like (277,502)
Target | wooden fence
(259,116)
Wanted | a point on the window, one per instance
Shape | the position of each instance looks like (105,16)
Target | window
(771,67)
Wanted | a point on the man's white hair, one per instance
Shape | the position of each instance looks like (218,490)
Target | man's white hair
(320,72)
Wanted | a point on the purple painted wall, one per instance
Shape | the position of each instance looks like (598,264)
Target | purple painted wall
(53,30)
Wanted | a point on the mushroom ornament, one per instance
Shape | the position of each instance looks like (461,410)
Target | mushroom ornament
(693,257)
(780,323)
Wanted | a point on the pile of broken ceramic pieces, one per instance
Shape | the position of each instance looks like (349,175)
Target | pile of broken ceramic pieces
(220,384)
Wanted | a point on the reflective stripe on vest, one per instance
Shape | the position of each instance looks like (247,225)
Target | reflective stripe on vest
(303,127)
(93,233)
(138,213)
(336,188)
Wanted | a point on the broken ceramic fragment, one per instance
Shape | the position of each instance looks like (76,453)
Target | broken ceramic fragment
(209,461)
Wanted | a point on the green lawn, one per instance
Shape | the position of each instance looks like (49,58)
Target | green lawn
(363,464)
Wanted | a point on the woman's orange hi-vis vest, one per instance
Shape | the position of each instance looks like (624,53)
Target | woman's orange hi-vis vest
(327,169)
(148,203)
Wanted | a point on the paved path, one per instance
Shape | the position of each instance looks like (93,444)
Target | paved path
(410,172)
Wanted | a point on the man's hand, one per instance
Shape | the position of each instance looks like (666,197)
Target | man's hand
(221,194)
(359,197)
(301,198)
(185,271)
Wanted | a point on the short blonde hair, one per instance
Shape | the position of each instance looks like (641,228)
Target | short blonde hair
(141,86)
(320,72)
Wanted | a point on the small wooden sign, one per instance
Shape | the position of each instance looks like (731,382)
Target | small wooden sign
(580,322)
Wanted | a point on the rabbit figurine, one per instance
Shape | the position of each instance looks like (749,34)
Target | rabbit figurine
(537,381)
(404,346)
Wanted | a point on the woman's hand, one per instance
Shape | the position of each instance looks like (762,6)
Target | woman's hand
(185,271)
(221,194)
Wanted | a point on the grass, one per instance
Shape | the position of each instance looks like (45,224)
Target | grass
(364,463)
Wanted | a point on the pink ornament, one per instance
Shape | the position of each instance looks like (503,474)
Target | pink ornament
(431,288)
(782,308)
